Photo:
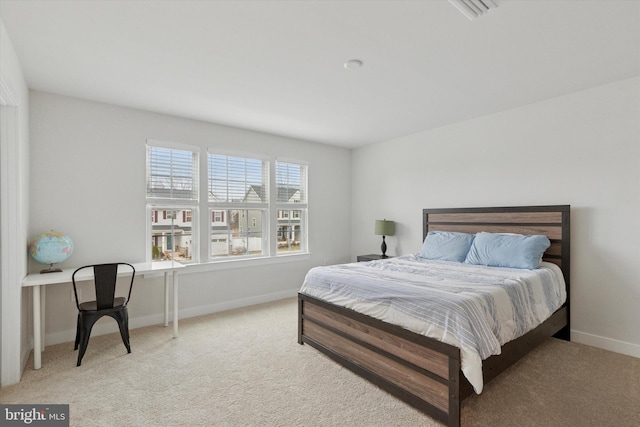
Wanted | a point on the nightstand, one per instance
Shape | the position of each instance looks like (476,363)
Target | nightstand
(371,257)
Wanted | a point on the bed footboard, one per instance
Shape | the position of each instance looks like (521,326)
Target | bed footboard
(420,371)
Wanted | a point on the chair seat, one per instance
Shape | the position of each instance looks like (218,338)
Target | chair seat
(93,305)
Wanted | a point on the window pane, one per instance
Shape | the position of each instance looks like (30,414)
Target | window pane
(172,174)
(290,231)
(291,187)
(291,183)
(236,232)
(237,179)
(171,235)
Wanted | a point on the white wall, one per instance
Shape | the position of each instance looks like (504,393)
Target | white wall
(14,211)
(88,180)
(581,149)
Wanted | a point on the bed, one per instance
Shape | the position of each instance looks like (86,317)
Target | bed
(426,372)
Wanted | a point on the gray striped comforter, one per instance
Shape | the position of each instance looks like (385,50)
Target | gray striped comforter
(474,308)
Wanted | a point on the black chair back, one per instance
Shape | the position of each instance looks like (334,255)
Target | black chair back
(105,277)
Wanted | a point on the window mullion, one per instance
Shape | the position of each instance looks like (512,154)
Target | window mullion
(273,210)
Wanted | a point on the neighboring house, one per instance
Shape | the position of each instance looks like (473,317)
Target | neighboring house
(289,232)
(171,229)
(171,234)
(239,231)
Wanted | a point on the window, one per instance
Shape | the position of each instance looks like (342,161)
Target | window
(241,207)
(238,190)
(217,217)
(291,204)
(172,201)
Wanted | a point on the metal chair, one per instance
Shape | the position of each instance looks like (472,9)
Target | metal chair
(105,304)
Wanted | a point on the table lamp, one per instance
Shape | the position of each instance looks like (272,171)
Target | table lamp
(384,228)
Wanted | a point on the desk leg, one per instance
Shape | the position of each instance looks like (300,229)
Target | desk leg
(175,304)
(37,337)
(166,298)
(43,311)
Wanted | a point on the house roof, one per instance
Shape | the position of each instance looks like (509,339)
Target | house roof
(259,191)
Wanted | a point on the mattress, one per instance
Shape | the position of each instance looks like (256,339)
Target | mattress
(475,308)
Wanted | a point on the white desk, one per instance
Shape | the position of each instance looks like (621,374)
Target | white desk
(37,281)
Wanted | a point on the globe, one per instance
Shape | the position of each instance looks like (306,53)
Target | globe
(50,248)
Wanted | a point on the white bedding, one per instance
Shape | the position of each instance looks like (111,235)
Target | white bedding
(475,308)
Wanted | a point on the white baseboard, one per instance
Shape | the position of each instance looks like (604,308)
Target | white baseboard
(230,305)
(158,319)
(604,343)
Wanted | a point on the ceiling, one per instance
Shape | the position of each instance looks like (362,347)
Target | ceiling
(278,66)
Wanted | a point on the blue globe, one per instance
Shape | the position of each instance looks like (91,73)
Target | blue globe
(51,247)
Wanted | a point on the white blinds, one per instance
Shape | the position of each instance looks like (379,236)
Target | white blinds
(172,174)
(291,182)
(237,179)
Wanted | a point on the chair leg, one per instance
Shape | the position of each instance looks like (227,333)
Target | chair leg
(77,332)
(122,317)
(86,324)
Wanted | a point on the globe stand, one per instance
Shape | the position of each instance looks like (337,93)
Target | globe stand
(50,270)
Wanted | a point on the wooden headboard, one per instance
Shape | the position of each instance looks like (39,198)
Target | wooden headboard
(552,221)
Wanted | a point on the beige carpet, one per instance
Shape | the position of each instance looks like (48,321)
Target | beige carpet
(245,368)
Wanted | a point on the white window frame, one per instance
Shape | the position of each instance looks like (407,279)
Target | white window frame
(157,202)
(202,213)
(228,206)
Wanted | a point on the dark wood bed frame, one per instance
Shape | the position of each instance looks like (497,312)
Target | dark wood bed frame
(422,371)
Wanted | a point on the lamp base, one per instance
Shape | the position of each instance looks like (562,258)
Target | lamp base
(383,248)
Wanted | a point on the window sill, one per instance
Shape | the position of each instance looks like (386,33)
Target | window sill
(243,263)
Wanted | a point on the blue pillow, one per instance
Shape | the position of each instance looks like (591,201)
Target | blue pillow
(446,245)
(507,250)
